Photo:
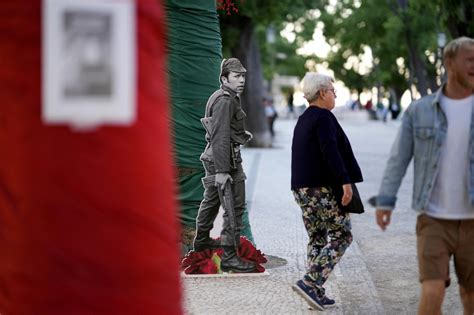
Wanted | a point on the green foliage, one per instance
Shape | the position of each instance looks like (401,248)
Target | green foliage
(456,15)
(268,12)
(279,57)
(389,28)
(401,34)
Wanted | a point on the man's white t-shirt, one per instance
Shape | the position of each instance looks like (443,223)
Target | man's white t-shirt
(450,197)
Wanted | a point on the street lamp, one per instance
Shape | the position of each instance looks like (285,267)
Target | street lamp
(271,34)
(441,40)
(271,41)
(441,44)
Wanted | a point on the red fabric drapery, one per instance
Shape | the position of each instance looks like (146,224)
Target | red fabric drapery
(87,220)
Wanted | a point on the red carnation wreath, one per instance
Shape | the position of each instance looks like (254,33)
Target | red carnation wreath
(209,261)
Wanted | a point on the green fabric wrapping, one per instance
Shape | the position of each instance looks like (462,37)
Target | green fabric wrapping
(194,58)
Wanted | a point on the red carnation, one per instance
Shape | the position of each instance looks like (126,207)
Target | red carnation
(203,263)
(248,251)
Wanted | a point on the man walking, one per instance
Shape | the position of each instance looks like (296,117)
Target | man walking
(438,132)
(224,182)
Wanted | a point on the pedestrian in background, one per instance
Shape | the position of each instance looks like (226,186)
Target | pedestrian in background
(270,113)
(370,110)
(394,109)
(437,132)
(322,158)
(291,107)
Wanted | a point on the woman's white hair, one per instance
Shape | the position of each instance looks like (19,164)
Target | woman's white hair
(313,83)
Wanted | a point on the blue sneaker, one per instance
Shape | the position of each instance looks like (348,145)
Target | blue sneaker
(309,294)
(327,301)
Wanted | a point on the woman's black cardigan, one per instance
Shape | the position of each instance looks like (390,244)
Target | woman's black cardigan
(321,152)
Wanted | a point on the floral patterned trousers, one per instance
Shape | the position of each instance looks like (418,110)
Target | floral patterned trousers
(329,231)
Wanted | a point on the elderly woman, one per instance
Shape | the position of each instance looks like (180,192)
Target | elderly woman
(322,163)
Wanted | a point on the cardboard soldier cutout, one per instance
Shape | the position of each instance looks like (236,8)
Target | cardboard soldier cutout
(224,182)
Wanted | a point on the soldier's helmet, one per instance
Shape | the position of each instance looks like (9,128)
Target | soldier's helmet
(231,64)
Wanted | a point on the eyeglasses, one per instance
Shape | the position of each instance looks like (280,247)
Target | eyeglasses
(318,94)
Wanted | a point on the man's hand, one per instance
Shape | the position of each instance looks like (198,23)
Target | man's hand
(221,180)
(383,218)
(347,194)
(249,134)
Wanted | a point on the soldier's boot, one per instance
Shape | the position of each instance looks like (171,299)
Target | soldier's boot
(232,262)
(202,241)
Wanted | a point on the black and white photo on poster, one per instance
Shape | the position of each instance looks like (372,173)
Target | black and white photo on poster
(87,67)
(89,62)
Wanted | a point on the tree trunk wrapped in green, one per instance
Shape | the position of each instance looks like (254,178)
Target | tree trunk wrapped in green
(194,58)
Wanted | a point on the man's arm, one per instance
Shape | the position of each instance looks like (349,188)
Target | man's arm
(397,164)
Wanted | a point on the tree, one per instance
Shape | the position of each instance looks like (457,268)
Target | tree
(247,51)
(401,36)
(242,37)
(457,16)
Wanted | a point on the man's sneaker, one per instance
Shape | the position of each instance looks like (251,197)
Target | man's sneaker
(309,294)
(327,301)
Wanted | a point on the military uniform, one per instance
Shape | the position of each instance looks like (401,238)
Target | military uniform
(222,155)
(224,183)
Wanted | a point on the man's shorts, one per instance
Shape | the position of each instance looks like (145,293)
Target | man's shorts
(437,241)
